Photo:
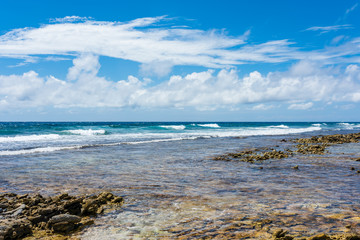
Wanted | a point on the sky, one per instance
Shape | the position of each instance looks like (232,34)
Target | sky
(247,60)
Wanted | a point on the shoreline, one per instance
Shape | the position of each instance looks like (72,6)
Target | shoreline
(268,225)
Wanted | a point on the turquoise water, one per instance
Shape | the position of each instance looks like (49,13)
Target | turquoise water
(166,173)
(32,138)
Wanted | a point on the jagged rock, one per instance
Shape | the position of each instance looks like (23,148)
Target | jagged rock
(14,229)
(64,218)
(320,237)
(22,214)
(64,223)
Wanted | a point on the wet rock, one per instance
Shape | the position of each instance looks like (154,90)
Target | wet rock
(352,237)
(24,214)
(90,207)
(64,223)
(281,234)
(64,218)
(73,206)
(320,237)
(117,200)
(15,229)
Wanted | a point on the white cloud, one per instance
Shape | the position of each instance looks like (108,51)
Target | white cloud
(301,106)
(69,19)
(140,40)
(262,107)
(86,64)
(158,47)
(325,29)
(351,9)
(202,90)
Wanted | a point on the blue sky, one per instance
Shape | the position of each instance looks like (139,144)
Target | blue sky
(180,60)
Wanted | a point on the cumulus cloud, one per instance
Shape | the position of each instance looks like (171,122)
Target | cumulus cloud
(262,107)
(201,90)
(301,106)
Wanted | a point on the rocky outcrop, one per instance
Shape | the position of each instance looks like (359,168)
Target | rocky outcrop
(23,215)
(314,145)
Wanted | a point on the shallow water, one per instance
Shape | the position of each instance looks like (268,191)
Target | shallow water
(174,189)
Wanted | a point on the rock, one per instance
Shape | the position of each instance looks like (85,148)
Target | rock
(73,206)
(36,219)
(90,207)
(14,229)
(352,168)
(64,218)
(64,223)
(279,233)
(64,227)
(117,200)
(22,214)
(105,197)
(352,237)
(48,211)
(296,167)
(320,237)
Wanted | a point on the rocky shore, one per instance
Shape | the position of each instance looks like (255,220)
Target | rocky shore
(38,217)
(313,145)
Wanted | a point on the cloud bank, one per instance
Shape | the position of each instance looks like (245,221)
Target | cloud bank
(300,86)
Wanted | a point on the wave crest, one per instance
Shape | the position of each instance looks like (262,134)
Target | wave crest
(209,125)
(175,127)
(29,138)
(86,132)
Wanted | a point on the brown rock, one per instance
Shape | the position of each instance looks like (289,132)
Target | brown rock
(320,237)
(15,229)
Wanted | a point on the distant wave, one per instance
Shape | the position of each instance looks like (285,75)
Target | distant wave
(175,127)
(210,125)
(27,138)
(279,126)
(162,140)
(147,138)
(285,131)
(349,126)
(86,132)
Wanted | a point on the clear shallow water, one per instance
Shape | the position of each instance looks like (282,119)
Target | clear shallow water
(171,184)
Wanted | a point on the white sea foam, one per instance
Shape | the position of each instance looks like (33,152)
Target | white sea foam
(175,127)
(279,126)
(28,138)
(349,126)
(161,140)
(87,132)
(36,150)
(210,125)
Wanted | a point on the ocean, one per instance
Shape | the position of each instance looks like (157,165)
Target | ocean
(170,182)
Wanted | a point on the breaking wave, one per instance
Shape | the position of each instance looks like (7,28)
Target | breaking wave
(29,138)
(175,127)
(86,132)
